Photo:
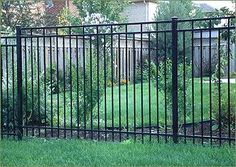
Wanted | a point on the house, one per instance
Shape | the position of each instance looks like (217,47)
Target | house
(54,7)
(140,10)
(146,7)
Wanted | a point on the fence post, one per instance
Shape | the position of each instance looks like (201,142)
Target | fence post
(174,79)
(19,83)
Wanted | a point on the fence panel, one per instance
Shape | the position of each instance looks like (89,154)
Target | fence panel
(174,80)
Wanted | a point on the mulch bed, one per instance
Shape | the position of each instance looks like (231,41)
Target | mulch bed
(200,129)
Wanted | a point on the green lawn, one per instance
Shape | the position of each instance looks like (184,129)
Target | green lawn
(154,106)
(56,152)
(160,107)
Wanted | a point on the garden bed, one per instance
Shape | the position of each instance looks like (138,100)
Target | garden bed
(113,134)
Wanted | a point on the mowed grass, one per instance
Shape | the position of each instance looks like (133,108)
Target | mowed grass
(127,107)
(152,111)
(56,152)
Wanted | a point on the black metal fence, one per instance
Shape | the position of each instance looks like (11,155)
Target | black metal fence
(119,81)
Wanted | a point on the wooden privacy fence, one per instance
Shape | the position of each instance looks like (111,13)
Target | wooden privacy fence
(134,47)
(32,47)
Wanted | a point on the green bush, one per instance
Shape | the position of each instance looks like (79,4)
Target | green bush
(165,84)
(233,75)
(165,81)
(87,90)
(221,103)
(30,102)
(91,85)
(145,72)
(8,106)
(61,115)
(56,77)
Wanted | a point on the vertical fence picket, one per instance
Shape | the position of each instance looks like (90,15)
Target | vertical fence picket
(19,84)
(175,79)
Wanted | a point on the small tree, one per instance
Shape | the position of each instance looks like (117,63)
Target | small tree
(219,92)
(111,9)
(182,9)
(224,12)
(92,76)
(19,13)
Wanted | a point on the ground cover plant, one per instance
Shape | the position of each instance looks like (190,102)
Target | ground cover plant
(56,152)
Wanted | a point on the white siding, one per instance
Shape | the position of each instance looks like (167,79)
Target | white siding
(136,12)
(151,10)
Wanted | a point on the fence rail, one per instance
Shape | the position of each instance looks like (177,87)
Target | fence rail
(175,80)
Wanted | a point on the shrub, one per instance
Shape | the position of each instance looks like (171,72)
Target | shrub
(30,101)
(7,102)
(165,81)
(233,75)
(64,116)
(223,103)
(52,73)
(86,85)
(91,85)
(165,84)
(145,72)
(221,112)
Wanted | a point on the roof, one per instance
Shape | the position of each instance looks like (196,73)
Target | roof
(55,6)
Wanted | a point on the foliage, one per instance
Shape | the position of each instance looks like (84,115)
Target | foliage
(216,69)
(223,12)
(220,94)
(32,101)
(99,41)
(145,73)
(81,95)
(7,104)
(165,81)
(19,13)
(182,9)
(207,67)
(50,19)
(65,18)
(54,79)
(93,12)
(165,84)
(221,103)
(223,116)
(109,8)
(91,85)
(220,68)
(96,19)
(233,75)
